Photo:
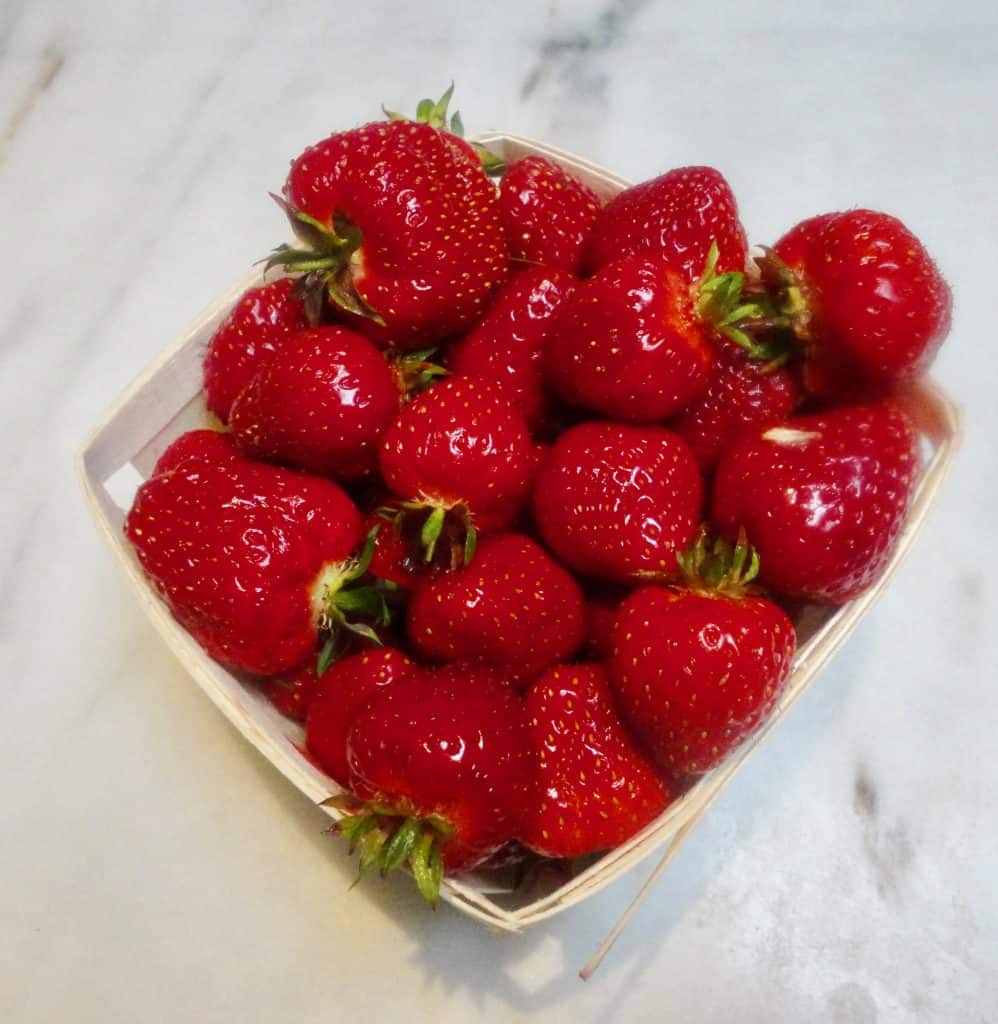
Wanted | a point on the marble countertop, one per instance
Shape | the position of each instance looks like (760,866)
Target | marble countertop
(152,866)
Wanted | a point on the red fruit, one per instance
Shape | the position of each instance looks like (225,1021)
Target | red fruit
(250,558)
(197,446)
(506,346)
(741,393)
(546,213)
(694,672)
(391,559)
(513,607)
(696,668)
(292,694)
(342,692)
(321,404)
(462,452)
(822,498)
(618,502)
(594,788)
(868,303)
(400,228)
(258,325)
(444,769)
(674,217)
(629,343)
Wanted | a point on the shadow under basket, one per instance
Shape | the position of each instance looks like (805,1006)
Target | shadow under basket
(166,400)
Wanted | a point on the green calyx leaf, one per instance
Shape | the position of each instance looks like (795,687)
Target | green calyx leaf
(435,114)
(718,566)
(386,840)
(416,371)
(323,261)
(748,316)
(430,533)
(350,609)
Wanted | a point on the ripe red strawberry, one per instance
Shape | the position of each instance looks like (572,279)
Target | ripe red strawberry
(630,343)
(601,617)
(443,768)
(506,346)
(741,393)
(258,325)
(321,404)
(618,502)
(461,453)
(822,498)
(292,693)
(401,230)
(594,788)
(341,694)
(546,213)
(514,607)
(866,300)
(674,217)
(253,560)
(695,671)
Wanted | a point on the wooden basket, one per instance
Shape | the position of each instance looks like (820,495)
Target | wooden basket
(166,400)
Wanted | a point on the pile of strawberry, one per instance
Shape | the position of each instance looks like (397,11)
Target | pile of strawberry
(507,473)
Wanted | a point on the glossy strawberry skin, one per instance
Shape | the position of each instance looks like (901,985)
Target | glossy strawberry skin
(694,674)
(673,217)
(433,249)
(321,405)
(618,502)
(342,693)
(260,323)
(741,394)
(236,547)
(432,745)
(506,347)
(878,307)
(628,343)
(822,498)
(461,443)
(513,606)
(546,213)
(594,788)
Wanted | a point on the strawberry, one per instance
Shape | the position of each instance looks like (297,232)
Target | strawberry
(340,695)
(460,459)
(601,616)
(617,501)
(546,213)
(262,320)
(695,670)
(292,693)
(514,607)
(440,771)
(741,393)
(864,297)
(254,560)
(629,343)
(399,229)
(674,217)
(320,404)
(594,788)
(823,498)
(506,345)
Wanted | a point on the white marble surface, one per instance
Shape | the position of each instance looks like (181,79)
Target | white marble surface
(152,867)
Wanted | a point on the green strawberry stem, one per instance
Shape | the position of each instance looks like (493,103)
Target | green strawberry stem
(323,262)
(388,839)
(435,536)
(416,371)
(344,607)
(718,566)
(746,314)
(434,113)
